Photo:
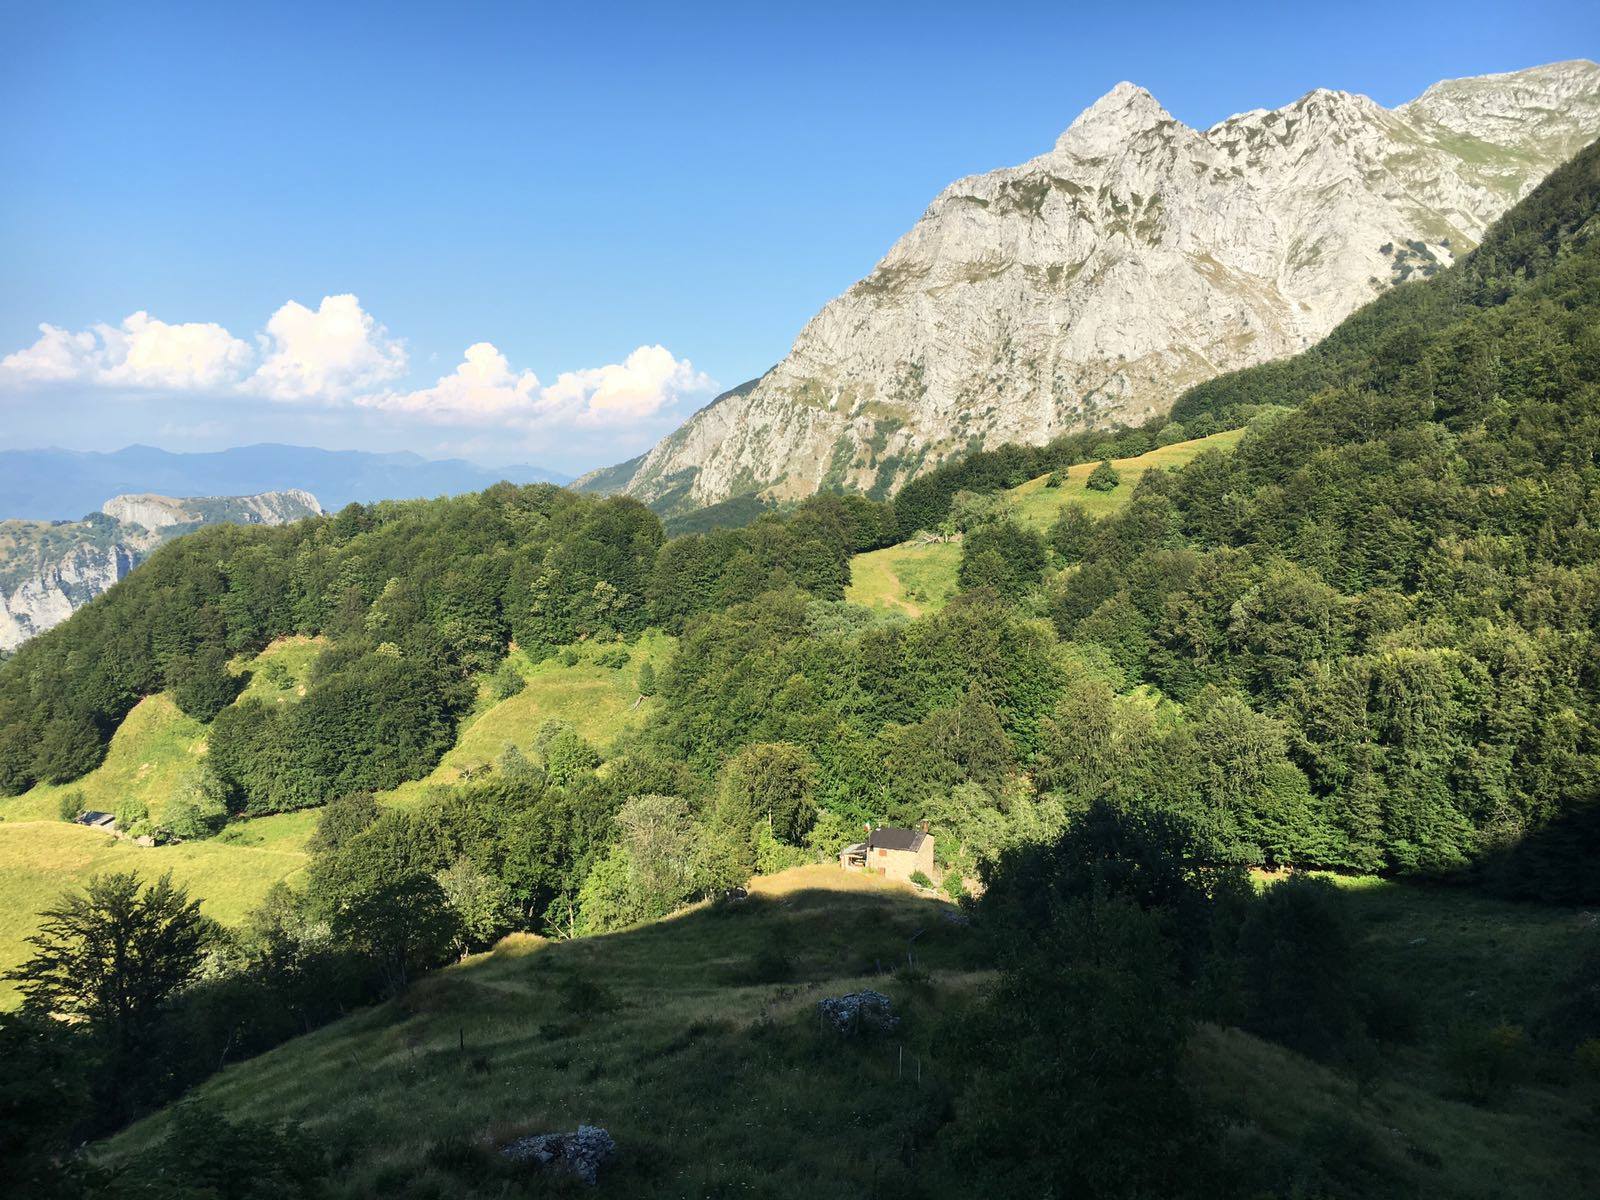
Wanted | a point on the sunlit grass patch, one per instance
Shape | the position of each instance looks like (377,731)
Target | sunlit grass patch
(913,578)
(1038,505)
(153,749)
(40,860)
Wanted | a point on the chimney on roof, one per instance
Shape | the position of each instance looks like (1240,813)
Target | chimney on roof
(922,825)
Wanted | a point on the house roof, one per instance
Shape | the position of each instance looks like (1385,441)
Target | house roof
(890,838)
(94,817)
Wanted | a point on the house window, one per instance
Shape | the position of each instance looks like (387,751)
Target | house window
(883,854)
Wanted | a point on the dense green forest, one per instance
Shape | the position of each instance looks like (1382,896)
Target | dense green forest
(1364,641)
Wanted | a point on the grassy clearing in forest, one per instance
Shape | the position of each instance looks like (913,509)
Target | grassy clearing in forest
(39,860)
(281,670)
(42,856)
(1038,505)
(913,577)
(601,703)
(155,746)
(919,577)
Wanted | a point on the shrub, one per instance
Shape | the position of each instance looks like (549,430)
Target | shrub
(71,805)
(921,880)
(197,809)
(133,817)
(1298,953)
(1587,1060)
(506,681)
(1071,533)
(1103,478)
(568,657)
(1486,1061)
(612,658)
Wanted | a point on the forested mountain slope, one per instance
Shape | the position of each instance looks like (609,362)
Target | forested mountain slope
(1364,639)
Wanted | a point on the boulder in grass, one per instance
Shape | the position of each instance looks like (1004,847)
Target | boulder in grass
(865,1011)
(582,1153)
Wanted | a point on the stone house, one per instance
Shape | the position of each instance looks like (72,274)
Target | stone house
(893,853)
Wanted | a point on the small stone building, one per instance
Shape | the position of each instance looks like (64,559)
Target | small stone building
(893,853)
(98,820)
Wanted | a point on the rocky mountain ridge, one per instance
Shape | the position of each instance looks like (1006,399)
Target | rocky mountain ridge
(1094,283)
(50,569)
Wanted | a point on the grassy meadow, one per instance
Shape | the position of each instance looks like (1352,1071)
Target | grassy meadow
(912,578)
(1038,505)
(920,577)
(280,671)
(694,1041)
(40,859)
(601,703)
(42,856)
(153,749)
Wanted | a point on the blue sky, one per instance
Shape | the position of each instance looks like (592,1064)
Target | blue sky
(629,206)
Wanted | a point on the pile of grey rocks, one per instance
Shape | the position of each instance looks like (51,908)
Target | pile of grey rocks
(859,1012)
(581,1153)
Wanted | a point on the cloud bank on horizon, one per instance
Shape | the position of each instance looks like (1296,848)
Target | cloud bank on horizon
(337,356)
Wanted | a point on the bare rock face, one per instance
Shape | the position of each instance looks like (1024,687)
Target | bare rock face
(49,570)
(54,590)
(158,512)
(1093,284)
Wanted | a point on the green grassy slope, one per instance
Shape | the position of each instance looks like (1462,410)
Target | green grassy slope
(1038,505)
(919,577)
(601,703)
(913,577)
(41,859)
(715,1079)
(42,856)
(663,1034)
(155,747)
(280,671)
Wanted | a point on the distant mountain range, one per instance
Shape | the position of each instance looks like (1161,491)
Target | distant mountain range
(1094,283)
(57,485)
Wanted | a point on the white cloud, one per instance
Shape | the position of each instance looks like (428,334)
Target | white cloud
(327,354)
(484,389)
(142,352)
(641,386)
(338,356)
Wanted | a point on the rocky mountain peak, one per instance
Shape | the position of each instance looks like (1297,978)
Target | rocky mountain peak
(1091,285)
(1124,111)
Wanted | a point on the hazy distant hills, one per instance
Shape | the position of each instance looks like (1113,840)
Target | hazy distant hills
(54,485)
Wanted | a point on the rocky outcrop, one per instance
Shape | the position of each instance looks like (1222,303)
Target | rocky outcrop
(580,1154)
(865,1011)
(159,512)
(55,590)
(1092,284)
(49,570)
